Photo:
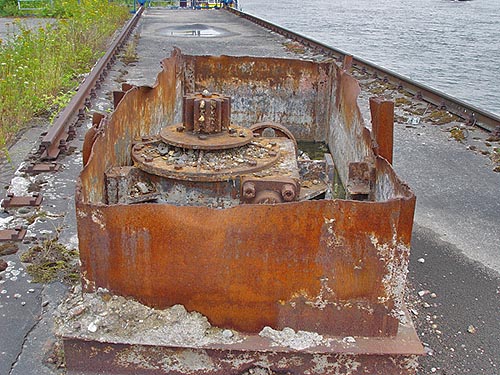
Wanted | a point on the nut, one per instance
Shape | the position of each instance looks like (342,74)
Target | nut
(288,192)
(249,190)
(268,197)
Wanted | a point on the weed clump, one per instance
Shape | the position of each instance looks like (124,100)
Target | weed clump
(440,117)
(495,158)
(41,68)
(129,55)
(457,134)
(52,261)
(295,47)
(402,101)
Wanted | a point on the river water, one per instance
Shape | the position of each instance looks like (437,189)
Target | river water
(452,46)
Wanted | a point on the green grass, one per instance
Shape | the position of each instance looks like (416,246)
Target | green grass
(40,68)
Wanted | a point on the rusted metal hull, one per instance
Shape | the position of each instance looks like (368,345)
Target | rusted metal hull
(337,267)
(320,266)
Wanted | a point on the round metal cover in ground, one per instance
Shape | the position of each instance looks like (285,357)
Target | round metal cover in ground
(237,136)
(194,31)
(157,158)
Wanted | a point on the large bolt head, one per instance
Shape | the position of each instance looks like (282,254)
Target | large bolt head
(288,192)
(249,190)
(268,197)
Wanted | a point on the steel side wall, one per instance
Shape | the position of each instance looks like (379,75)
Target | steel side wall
(294,93)
(335,267)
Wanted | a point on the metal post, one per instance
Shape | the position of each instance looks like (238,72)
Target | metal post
(382,112)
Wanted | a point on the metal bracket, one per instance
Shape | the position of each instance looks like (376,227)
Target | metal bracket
(360,181)
(16,234)
(13,201)
(35,168)
(269,190)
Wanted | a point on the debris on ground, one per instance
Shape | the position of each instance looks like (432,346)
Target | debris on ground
(441,116)
(458,134)
(111,318)
(3,265)
(8,248)
(299,340)
(495,158)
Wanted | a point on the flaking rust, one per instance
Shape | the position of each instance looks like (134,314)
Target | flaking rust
(192,194)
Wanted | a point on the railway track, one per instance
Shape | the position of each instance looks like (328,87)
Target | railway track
(62,130)
(472,114)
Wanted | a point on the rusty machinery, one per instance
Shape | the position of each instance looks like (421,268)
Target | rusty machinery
(256,165)
(180,204)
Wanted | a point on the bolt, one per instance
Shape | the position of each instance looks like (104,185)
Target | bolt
(288,192)
(249,190)
(267,197)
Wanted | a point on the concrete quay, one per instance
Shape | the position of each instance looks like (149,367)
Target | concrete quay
(454,285)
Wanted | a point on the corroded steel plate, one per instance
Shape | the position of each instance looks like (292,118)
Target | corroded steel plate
(157,158)
(217,141)
(250,354)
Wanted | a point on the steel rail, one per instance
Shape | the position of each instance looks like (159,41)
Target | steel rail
(62,129)
(472,114)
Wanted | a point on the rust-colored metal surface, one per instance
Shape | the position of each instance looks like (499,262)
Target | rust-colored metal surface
(363,355)
(35,168)
(295,93)
(20,201)
(169,361)
(16,234)
(269,190)
(159,159)
(277,130)
(206,112)
(360,181)
(382,112)
(178,135)
(327,266)
(332,266)
(206,124)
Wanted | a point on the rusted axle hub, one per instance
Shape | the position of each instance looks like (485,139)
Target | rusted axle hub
(206,112)
(202,148)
